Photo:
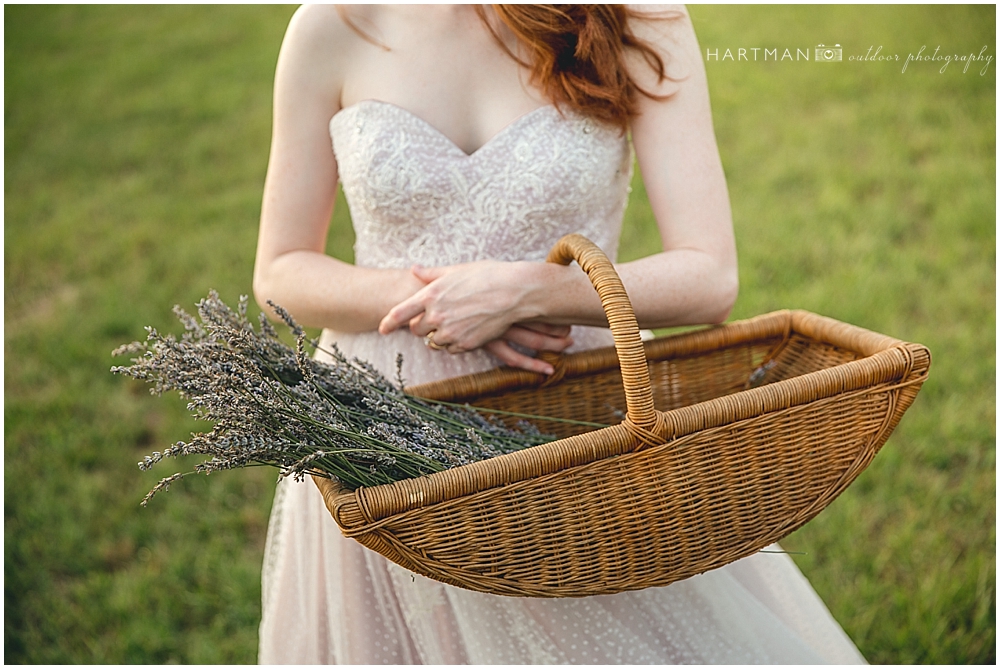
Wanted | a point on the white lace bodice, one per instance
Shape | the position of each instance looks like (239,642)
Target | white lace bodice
(417,198)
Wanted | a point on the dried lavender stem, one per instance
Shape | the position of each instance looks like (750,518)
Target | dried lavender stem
(274,405)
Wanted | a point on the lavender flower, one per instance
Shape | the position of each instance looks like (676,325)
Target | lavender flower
(276,405)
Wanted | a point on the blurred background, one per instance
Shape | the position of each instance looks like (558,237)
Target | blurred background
(136,141)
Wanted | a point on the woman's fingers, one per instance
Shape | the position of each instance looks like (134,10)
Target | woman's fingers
(410,310)
(507,355)
(537,341)
(403,313)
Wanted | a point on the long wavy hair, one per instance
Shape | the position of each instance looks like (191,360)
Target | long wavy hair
(575,54)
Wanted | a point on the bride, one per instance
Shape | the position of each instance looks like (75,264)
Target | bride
(467,141)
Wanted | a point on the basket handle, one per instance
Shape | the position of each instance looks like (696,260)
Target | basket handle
(621,319)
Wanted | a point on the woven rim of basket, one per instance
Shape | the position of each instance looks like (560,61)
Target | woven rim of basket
(888,361)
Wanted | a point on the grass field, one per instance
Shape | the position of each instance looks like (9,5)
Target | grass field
(136,142)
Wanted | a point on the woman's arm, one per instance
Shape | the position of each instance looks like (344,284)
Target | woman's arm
(291,267)
(693,280)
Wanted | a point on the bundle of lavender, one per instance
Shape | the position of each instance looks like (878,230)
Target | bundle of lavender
(274,405)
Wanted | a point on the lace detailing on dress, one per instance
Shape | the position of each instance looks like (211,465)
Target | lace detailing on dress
(416,197)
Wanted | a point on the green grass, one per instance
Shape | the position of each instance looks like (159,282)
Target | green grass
(136,141)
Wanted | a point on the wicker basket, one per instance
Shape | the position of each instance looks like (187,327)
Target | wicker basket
(761,424)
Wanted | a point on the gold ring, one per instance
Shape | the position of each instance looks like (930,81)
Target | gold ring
(430,343)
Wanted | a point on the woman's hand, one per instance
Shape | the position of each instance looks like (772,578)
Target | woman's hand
(534,336)
(484,304)
(465,305)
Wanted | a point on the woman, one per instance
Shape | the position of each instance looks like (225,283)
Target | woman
(468,141)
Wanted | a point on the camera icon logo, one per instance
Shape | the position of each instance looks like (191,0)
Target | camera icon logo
(829,54)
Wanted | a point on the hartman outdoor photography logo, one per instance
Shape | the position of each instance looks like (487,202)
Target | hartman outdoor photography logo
(940,57)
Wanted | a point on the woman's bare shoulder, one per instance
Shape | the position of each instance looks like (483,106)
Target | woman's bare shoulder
(651,22)
(653,10)
(320,44)
(326,29)
(668,31)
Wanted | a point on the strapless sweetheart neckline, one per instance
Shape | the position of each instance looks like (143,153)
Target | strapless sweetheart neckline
(510,127)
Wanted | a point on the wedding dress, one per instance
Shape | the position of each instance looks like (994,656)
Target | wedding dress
(416,197)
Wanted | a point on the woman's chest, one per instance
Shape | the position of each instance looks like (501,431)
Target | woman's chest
(443,65)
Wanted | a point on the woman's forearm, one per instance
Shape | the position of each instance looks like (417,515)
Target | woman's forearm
(677,287)
(320,291)
(680,287)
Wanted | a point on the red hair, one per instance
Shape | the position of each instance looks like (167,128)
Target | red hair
(577,55)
